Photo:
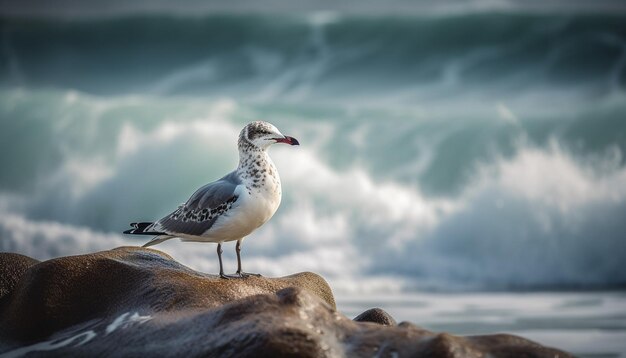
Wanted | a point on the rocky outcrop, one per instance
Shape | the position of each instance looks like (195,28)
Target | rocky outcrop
(134,301)
(376,315)
(12,267)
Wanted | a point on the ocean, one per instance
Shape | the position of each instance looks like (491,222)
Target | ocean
(462,168)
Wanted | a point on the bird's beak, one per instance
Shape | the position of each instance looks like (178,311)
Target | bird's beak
(289,140)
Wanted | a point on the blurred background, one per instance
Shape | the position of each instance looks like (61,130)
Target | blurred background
(462,162)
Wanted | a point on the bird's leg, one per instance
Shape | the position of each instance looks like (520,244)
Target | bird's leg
(219,256)
(238,250)
(239,272)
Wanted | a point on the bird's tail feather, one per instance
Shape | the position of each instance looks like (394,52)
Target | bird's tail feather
(142,229)
(158,240)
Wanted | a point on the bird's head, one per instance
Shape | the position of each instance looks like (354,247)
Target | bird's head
(261,135)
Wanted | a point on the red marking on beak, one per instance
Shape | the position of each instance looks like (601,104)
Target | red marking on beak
(289,140)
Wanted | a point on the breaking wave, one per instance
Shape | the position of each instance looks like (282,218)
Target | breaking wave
(527,208)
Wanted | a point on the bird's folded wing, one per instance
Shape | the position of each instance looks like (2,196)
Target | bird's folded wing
(202,209)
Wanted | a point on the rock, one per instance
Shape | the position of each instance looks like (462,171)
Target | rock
(12,267)
(59,293)
(376,315)
(134,301)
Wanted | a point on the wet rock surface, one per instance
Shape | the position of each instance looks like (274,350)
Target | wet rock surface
(133,301)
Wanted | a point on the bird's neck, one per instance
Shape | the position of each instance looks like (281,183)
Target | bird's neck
(248,158)
(253,163)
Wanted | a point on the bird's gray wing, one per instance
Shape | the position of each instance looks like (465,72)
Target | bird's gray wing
(202,209)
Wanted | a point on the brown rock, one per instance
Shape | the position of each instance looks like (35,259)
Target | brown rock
(134,301)
(376,315)
(59,293)
(12,267)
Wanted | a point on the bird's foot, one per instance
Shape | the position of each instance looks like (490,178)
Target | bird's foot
(238,275)
(247,274)
(228,277)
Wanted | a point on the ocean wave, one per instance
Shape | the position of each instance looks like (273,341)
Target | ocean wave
(539,202)
(560,229)
(540,219)
(49,239)
(302,58)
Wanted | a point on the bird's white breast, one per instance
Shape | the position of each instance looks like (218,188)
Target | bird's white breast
(263,196)
(259,196)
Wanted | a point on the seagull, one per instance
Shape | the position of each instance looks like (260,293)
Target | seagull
(232,207)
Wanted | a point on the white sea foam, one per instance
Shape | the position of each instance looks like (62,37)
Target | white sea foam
(48,239)
(540,216)
(528,221)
